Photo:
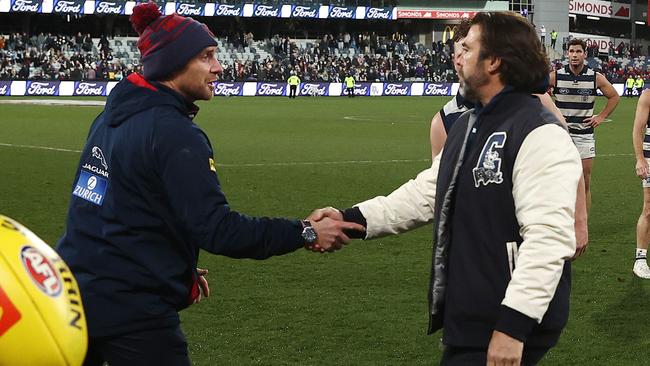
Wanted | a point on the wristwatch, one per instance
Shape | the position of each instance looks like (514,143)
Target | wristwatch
(308,232)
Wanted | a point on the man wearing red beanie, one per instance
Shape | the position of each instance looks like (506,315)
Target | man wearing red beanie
(146,198)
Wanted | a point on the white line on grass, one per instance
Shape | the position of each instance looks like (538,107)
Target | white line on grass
(293,163)
(289,163)
(39,147)
(244,164)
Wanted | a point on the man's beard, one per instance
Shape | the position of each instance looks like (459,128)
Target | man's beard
(472,84)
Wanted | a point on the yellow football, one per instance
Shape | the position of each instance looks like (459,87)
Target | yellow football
(42,321)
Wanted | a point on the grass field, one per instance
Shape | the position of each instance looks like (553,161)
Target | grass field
(366,304)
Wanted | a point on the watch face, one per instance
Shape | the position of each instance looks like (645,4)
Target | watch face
(309,234)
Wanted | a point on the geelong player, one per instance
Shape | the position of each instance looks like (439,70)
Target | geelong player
(575,93)
(641,140)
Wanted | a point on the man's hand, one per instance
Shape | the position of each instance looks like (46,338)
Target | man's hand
(641,168)
(594,121)
(330,236)
(322,213)
(582,238)
(504,350)
(204,288)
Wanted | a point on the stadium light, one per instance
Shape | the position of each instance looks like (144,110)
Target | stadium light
(592,17)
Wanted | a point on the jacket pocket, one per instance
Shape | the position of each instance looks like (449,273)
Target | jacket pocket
(513,250)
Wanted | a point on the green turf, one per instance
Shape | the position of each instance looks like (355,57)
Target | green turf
(364,305)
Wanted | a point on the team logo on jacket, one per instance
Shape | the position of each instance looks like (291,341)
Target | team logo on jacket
(488,167)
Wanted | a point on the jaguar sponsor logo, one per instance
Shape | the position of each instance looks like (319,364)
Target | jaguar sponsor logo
(84,88)
(266,11)
(304,12)
(437,89)
(67,7)
(270,89)
(228,10)
(379,13)
(189,9)
(342,12)
(26,5)
(313,89)
(42,88)
(396,89)
(108,7)
(227,89)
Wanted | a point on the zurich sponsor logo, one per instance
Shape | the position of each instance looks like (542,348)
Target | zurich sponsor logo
(189,9)
(378,13)
(227,89)
(89,89)
(266,11)
(90,188)
(270,89)
(37,88)
(437,89)
(396,89)
(313,89)
(67,7)
(107,7)
(304,12)
(25,5)
(339,12)
(228,10)
(41,270)
(4,89)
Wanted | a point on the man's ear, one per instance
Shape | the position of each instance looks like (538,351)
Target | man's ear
(493,64)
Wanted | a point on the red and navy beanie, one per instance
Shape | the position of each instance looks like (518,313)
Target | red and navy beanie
(167,43)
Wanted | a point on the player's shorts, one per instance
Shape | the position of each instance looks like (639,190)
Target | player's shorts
(586,145)
(645,183)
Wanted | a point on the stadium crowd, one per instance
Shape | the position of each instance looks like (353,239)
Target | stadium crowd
(367,56)
(59,57)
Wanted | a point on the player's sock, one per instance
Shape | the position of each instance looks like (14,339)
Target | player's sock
(641,254)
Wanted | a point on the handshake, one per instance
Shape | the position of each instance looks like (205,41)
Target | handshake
(330,227)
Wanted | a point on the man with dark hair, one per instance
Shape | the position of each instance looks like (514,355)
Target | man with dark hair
(146,199)
(574,88)
(501,195)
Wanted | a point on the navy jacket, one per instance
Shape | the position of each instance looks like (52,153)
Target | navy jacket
(145,199)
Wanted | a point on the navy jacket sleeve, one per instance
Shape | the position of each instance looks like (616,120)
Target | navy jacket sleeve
(182,154)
